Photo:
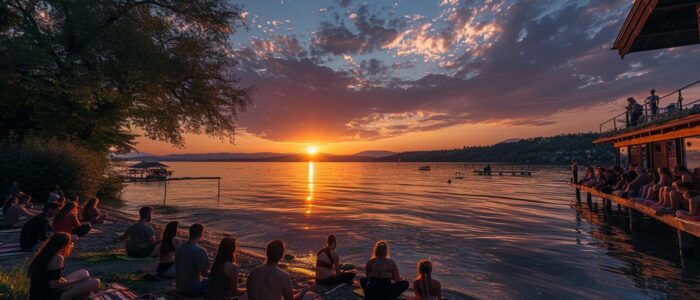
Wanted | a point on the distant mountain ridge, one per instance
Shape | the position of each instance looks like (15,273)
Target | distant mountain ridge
(364,156)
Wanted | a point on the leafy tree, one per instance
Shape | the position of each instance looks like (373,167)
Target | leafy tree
(90,71)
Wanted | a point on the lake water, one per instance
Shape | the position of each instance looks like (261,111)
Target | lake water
(488,237)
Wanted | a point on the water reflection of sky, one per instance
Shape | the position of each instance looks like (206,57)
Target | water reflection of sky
(516,237)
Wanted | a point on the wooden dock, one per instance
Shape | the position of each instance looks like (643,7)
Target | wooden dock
(636,208)
(501,172)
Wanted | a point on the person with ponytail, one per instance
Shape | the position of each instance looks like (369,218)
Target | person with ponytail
(381,270)
(166,255)
(45,272)
(67,221)
(224,273)
(425,287)
(328,265)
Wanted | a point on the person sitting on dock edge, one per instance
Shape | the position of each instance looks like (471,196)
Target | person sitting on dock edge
(140,238)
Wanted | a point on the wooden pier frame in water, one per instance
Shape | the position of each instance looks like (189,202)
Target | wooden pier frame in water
(165,184)
(500,173)
(688,231)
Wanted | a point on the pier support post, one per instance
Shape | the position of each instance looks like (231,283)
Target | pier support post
(635,220)
(165,190)
(218,190)
(589,199)
(688,244)
(608,205)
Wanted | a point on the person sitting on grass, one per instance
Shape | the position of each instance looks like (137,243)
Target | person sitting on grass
(381,271)
(67,221)
(192,265)
(140,238)
(17,214)
(45,272)
(328,265)
(36,229)
(56,193)
(425,287)
(93,214)
(224,273)
(269,281)
(166,255)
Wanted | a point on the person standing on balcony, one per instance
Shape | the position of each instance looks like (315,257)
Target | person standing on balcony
(653,101)
(634,112)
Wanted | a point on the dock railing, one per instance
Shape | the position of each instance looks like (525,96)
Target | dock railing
(671,105)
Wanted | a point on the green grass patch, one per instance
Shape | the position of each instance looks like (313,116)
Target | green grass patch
(14,283)
(96,257)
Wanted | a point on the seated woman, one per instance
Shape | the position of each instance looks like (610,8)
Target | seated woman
(328,265)
(223,279)
(644,189)
(47,283)
(93,214)
(67,221)
(693,213)
(381,271)
(168,245)
(425,287)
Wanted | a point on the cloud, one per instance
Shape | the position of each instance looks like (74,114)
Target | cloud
(493,61)
(370,33)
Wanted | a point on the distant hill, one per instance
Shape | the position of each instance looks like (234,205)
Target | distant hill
(374,153)
(250,157)
(560,149)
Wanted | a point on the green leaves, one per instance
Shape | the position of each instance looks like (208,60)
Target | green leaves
(87,71)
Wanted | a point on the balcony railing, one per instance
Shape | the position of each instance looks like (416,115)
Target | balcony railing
(671,106)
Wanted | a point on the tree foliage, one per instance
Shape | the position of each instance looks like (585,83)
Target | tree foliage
(92,71)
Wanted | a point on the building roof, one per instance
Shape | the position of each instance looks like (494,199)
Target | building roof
(148,165)
(658,24)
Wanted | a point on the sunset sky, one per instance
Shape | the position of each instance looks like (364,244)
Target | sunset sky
(350,75)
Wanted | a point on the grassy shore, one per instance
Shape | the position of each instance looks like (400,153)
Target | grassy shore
(98,254)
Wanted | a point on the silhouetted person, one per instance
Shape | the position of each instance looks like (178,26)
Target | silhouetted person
(653,101)
(634,112)
(192,265)
(487,169)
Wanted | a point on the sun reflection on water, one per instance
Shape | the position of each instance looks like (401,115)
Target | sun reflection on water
(310,196)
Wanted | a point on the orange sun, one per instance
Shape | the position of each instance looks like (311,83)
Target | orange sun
(311,150)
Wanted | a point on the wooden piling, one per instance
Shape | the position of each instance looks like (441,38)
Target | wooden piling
(635,220)
(687,244)
(589,199)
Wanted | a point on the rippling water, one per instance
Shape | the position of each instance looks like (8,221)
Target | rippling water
(488,237)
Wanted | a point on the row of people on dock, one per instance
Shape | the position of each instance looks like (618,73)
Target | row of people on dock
(667,191)
(188,263)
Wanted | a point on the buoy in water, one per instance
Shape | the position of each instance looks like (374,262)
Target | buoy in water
(449,181)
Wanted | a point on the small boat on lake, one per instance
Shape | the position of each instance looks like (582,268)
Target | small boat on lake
(459,175)
(424,168)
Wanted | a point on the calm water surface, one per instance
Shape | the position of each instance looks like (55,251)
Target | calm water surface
(488,237)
